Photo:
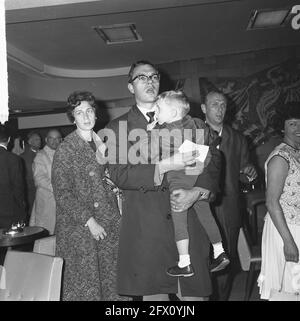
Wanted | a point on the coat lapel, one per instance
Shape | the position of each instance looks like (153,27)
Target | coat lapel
(136,119)
(224,138)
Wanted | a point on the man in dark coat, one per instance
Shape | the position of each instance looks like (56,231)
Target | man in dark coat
(12,208)
(236,161)
(147,246)
(34,143)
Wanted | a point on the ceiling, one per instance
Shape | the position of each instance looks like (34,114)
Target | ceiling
(54,40)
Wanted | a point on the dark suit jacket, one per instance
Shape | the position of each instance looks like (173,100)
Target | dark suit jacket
(147,247)
(30,189)
(12,206)
(235,156)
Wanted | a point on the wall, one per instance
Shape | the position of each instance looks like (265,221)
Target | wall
(112,92)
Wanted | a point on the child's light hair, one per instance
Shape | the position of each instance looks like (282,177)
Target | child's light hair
(177,99)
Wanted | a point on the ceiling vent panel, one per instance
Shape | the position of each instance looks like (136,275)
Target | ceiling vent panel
(268,18)
(118,33)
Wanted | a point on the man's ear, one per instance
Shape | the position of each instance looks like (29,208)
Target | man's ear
(174,112)
(203,108)
(130,88)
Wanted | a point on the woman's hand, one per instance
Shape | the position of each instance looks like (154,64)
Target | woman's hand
(96,229)
(183,199)
(291,252)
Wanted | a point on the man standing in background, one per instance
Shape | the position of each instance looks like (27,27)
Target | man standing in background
(235,161)
(12,204)
(44,207)
(34,143)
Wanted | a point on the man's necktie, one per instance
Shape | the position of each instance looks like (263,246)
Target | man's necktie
(150,114)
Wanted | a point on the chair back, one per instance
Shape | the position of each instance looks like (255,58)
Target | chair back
(244,250)
(31,277)
(45,245)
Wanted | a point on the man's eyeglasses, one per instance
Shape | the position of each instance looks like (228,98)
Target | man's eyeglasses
(144,78)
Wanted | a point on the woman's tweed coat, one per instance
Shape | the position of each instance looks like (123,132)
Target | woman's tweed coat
(89,265)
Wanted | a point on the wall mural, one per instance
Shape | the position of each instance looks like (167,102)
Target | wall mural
(253,100)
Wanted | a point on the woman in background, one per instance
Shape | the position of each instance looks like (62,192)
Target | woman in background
(88,219)
(279,275)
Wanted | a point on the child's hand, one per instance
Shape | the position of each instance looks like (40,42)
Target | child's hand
(151,125)
(195,169)
(204,194)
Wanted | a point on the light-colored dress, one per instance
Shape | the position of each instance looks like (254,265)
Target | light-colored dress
(43,210)
(278,276)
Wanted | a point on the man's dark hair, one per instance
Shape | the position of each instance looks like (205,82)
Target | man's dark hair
(136,64)
(4,134)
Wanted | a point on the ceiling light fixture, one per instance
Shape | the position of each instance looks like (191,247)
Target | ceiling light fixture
(119,33)
(268,18)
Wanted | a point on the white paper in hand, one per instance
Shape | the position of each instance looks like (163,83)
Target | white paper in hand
(188,146)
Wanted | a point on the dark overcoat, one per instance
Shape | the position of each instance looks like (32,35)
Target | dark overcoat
(147,246)
(235,156)
(28,156)
(90,266)
(12,203)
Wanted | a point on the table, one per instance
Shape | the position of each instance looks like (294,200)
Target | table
(29,235)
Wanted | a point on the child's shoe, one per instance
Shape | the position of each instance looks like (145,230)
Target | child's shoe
(219,263)
(178,271)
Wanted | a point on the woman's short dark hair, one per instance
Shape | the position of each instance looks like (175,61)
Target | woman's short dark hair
(290,110)
(75,100)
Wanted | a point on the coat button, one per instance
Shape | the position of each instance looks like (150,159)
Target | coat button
(96,204)
(91,173)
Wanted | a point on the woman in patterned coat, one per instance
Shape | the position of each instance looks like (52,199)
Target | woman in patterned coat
(87,216)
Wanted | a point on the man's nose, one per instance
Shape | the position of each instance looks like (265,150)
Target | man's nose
(149,79)
(221,108)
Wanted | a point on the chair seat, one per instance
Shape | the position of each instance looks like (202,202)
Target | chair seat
(46,245)
(249,255)
(31,277)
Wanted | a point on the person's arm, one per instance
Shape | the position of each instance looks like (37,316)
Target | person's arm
(142,177)
(125,175)
(245,165)
(277,170)
(210,177)
(40,173)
